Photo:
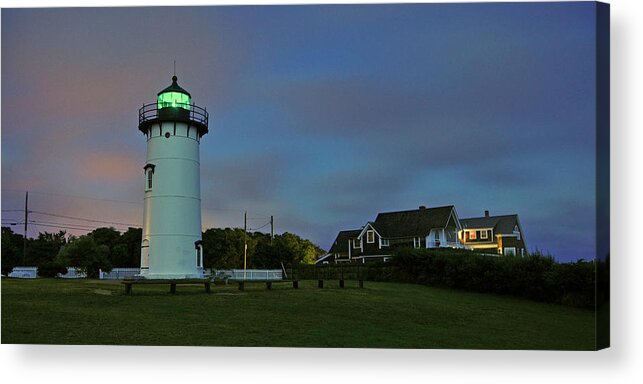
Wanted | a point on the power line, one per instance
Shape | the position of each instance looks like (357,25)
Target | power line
(79,226)
(76,196)
(222,209)
(12,223)
(84,219)
(109,200)
(61,226)
(256,229)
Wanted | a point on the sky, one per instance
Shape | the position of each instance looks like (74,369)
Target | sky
(322,116)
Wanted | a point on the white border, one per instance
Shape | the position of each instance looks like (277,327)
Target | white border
(619,364)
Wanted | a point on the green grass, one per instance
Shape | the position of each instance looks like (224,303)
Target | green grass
(382,315)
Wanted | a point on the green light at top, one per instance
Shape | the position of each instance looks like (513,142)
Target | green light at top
(173,99)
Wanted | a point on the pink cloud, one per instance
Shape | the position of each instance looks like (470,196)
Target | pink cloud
(112,167)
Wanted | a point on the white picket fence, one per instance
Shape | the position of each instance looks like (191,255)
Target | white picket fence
(119,273)
(250,274)
(73,273)
(122,273)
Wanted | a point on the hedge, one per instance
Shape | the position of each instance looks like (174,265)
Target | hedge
(536,276)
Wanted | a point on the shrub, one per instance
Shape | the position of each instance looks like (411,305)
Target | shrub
(536,277)
(51,269)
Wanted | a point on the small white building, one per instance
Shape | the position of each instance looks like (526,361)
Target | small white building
(24,272)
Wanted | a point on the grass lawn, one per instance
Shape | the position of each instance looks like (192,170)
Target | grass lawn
(382,315)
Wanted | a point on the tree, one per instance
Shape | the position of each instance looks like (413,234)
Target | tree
(84,254)
(120,255)
(223,248)
(106,236)
(131,258)
(11,250)
(44,248)
(51,269)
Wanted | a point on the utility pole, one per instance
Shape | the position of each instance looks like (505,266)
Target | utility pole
(245,241)
(272,229)
(24,239)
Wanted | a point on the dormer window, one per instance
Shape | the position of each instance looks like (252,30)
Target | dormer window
(370,237)
(484,235)
(517,232)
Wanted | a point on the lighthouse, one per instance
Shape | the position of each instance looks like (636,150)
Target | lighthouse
(171,246)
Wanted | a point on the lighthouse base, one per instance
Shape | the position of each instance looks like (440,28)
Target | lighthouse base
(171,276)
(145,273)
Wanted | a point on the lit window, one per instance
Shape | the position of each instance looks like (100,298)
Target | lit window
(173,99)
(370,237)
(472,235)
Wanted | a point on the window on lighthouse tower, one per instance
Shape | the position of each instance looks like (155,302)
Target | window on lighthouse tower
(149,173)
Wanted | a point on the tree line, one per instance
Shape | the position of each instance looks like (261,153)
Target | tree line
(106,248)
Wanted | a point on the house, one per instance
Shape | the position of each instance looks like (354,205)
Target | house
(340,251)
(497,234)
(420,228)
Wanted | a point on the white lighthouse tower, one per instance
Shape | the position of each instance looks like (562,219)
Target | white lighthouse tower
(171,247)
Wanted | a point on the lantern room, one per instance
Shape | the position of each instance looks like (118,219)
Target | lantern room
(173,96)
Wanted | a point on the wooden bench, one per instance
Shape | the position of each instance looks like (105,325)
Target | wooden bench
(172,282)
(295,283)
(320,283)
(242,283)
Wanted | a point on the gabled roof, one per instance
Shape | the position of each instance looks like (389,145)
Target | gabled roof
(341,241)
(323,258)
(502,225)
(417,222)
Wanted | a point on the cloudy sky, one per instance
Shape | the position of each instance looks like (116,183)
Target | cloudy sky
(322,116)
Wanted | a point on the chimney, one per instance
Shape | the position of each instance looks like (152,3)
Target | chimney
(422,207)
(486,213)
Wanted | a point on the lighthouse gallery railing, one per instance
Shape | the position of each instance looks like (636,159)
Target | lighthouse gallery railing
(189,111)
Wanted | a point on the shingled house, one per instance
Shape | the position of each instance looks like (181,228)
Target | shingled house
(497,234)
(420,228)
(340,251)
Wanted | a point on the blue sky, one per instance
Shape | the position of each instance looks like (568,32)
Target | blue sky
(322,116)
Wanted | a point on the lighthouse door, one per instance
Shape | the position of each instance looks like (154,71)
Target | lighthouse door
(145,254)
